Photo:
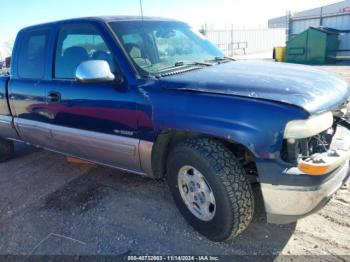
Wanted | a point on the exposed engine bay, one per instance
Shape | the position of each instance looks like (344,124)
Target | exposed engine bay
(321,153)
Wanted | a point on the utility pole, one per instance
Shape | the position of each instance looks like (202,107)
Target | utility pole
(141,9)
(231,53)
(321,16)
(289,24)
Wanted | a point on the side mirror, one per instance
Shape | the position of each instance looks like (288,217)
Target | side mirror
(94,71)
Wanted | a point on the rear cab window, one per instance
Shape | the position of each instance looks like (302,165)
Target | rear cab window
(32,54)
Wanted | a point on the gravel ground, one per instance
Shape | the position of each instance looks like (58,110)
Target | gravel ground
(50,206)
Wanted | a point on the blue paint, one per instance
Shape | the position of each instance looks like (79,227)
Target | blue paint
(246,102)
(303,86)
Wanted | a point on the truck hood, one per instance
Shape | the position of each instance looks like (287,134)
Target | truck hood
(303,86)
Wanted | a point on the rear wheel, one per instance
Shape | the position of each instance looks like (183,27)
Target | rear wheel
(6,149)
(210,188)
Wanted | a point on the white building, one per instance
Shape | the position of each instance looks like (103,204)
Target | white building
(335,16)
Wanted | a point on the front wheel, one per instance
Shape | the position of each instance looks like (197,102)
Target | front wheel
(210,188)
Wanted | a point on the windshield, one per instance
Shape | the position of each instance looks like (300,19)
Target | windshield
(158,47)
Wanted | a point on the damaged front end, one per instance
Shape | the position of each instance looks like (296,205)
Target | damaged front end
(320,153)
(319,149)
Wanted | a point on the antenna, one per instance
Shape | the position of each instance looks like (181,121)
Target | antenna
(141,9)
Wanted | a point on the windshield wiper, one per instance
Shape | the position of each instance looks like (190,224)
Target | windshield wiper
(183,63)
(222,59)
(168,70)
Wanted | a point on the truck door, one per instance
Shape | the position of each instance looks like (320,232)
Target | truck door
(94,121)
(26,86)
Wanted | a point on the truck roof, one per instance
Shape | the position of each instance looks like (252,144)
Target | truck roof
(107,19)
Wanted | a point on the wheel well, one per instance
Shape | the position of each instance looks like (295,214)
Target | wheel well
(170,138)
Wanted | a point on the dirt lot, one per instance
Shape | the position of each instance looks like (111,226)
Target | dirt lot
(50,206)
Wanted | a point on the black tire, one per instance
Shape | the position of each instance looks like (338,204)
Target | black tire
(6,150)
(232,191)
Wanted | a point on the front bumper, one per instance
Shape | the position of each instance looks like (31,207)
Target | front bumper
(287,203)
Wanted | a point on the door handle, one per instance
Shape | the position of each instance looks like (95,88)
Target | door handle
(54,97)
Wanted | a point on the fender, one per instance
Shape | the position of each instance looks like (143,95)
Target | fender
(256,124)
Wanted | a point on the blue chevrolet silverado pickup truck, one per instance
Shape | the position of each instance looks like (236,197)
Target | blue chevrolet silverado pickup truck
(152,97)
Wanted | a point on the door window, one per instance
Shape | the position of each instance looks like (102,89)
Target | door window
(76,44)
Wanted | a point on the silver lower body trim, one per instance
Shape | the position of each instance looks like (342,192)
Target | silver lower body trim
(141,173)
(111,150)
(34,132)
(7,129)
(145,151)
(125,153)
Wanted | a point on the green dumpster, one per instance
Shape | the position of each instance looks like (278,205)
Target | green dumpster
(313,46)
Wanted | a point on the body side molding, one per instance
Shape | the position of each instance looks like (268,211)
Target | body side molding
(145,150)
(125,153)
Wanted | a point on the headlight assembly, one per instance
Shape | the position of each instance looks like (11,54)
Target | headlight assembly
(314,125)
